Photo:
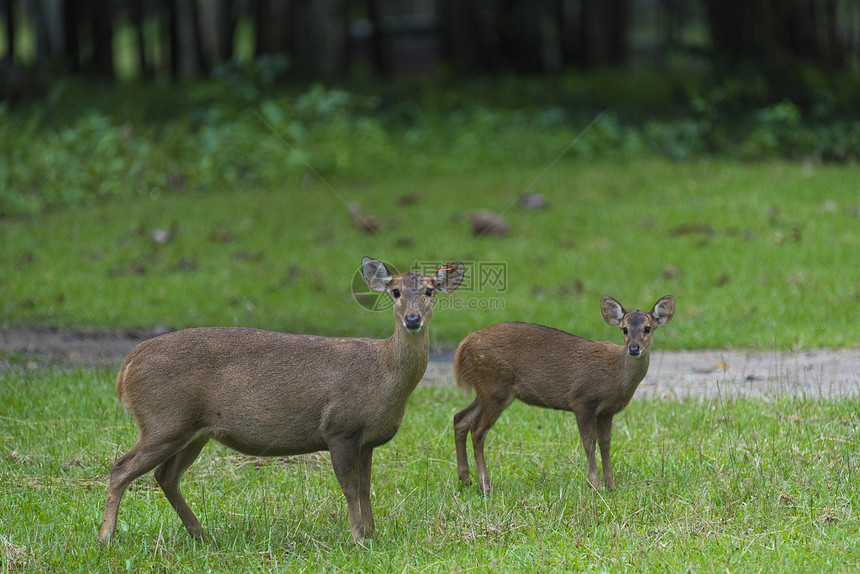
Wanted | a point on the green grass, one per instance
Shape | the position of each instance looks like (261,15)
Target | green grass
(704,485)
(757,255)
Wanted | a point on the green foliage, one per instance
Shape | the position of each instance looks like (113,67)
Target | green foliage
(704,485)
(87,142)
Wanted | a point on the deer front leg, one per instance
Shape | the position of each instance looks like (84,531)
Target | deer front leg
(587,433)
(369,527)
(604,437)
(345,458)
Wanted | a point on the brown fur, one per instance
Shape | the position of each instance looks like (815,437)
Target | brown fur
(549,368)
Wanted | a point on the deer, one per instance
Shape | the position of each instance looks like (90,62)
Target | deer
(551,368)
(266,393)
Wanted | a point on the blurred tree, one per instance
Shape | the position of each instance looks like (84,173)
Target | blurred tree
(189,38)
(101,25)
(137,17)
(320,38)
(273,21)
(9,17)
(775,34)
(186,59)
(217,23)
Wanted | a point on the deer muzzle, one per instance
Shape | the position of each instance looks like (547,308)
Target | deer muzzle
(412,323)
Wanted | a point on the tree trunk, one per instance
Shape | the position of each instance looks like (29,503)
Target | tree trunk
(462,37)
(273,22)
(102,37)
(320,38)
(71,40)
(216,23)
(137,17)
(378,59)
(520,38)
(9,14)
(617,23)
(604,32)
(185,58)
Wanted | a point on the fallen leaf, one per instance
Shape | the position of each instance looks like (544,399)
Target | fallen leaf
(362,221)
(222,236)
(532,200)
(408,199)
(488,223)
(160,236)
(692,229)
(671,272)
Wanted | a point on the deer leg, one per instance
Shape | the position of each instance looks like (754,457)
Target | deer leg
(169,473)
(346,460)
(366,462)
(587,432)
(462,424)
(483,421)
(604,437)
(145,455)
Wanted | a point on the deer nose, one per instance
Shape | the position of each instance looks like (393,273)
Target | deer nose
(413,322)
(634,350)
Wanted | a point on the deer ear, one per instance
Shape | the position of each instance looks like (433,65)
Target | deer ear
(448,277)
(375,274)
(663,310)
(612,311)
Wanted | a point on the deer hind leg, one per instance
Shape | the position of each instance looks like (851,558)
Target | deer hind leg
(145,455)
(604,437)
(462,424)
(587,433)
(483,421)
(169,473)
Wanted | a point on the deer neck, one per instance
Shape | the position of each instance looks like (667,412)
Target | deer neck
(635,368)
(407,356)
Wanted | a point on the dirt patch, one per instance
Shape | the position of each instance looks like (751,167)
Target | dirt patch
(708,374)
(69,348)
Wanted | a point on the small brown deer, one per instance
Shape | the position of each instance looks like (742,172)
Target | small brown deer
(275,394)
(549,368)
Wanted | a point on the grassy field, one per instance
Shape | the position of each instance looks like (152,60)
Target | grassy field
(705,486)
(205,206)
(757,255)
(228,202)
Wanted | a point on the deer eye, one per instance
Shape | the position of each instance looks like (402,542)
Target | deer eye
(396,293)
(624,329)
(647,329)
(429,292)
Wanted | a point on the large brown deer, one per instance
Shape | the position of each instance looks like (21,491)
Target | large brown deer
(550,368)
(275,394)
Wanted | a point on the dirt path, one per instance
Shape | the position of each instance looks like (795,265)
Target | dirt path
(731,373)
